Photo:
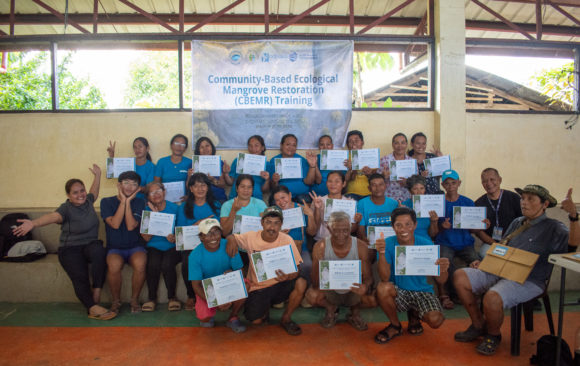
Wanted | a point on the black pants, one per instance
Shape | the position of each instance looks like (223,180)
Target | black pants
(75,261)
(185,273)
(161,262)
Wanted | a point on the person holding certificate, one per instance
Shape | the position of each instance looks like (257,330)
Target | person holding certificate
(79,244)
(204,146)
(341,246)
(286,286)
(199,204)
(256,146)
(427,227)
(324,143)
(358,183)
(406,293)
(143,164)
(122,214)
(375,209)
(209,260)
(419,153)
(175,167)
(298,186)
(243,204)
(161,254)
(395,190)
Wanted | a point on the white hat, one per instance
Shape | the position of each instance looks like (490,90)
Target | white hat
(206,225)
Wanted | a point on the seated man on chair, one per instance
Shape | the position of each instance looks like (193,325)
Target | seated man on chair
(534,232)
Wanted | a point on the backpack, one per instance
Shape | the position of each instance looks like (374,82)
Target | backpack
(546,356)
(7,239)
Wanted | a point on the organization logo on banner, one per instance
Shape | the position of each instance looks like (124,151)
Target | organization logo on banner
(235,57)
(293,56)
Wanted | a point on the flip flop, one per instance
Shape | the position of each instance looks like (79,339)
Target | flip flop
(489,345)
(383,336)
(116,306)
(291,328)
(104,316)
(357,322)
(135,307)
(189,304)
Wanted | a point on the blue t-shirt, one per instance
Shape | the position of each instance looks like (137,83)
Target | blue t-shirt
(423,223)
(321,189)
(205,264)
(375,215)
(296,186)
(199,213)
(410,283)
(122,238)
(161,242)
(455,238)
(254,208)
(258,182)
(169,172)
(147,173)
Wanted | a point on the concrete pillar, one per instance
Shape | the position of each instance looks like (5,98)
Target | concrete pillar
(450,116)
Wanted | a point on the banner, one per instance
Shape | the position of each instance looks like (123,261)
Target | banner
(271,88)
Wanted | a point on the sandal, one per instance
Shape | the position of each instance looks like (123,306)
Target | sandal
(116,306)
(446,302)
(415,327)
(148,306)
(383,336)
(329,320)
(236,325)
(108,315)
(291,328)
(174,305)
(209,324)
(470,334)
(357,322)
(135,307)
(489,345)
(189,304)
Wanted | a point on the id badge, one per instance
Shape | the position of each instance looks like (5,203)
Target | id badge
(497,233)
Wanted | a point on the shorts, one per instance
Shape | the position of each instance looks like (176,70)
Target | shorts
(511,293)
(258,302)
(126,254)
(202,311)
(422,302)
(349,299)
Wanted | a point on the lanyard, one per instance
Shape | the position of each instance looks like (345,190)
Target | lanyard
(496,209)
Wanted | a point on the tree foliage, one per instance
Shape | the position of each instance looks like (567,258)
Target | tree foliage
(558,83)
(363,62)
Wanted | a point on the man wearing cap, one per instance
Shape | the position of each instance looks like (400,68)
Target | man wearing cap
(286,286)
(534,232)
(209,260)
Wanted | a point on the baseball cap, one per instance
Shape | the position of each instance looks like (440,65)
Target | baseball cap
(273,211)
(450,173)
(206,225)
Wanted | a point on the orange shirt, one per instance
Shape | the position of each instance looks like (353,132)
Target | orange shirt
(252,242)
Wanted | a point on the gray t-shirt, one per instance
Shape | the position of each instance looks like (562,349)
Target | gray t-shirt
(545,236)
(80,224)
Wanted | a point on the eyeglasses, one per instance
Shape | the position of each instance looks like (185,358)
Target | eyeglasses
(179,144)
(157,191)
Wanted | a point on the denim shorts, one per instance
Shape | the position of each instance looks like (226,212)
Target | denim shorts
(126,253)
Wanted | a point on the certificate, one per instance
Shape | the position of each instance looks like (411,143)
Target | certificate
(374,234)
(364,157)
(157,223)
(243,224)
(116,166)
(331,205)
(436,166)
(250,164)
(186,237)
(266,262)
(411,260)
(289,168)
(224,289)
(333,159)
(469,217)
(174,191)
(424,203)
(293,218)
(207,164)
(339,275)
(400,169)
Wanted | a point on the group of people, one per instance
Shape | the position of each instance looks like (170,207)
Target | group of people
(518,220)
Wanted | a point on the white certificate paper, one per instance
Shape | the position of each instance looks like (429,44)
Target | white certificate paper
(400,169)
(331,205)
(250,164)
(333,159)
(207,164)
(436,166)
(411,260)
(187,237)
(266,262)
(224,289)
(469,217)
(116,166)
(424,203)
(157,223)
(374,234)
(243,224)
(293,218)
(364,157)
(339,275)
(174,191)
(289,168)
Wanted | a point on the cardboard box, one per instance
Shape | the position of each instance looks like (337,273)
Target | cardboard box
(509,263)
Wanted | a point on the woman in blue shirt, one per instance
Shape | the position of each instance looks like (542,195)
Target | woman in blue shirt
(199,204)
(143,164)
(426,226)
(175,167)
(204,146)
(256,146)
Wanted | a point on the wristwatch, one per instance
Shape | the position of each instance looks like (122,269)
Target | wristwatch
(573,219)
